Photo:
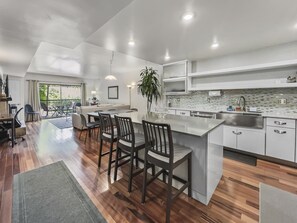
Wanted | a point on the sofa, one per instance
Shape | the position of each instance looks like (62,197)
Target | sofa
(76,122)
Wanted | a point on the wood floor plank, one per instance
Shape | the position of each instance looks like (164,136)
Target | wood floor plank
(236,198)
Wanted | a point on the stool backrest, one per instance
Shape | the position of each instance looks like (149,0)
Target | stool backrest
(158,138)
(125,129)
(106,125)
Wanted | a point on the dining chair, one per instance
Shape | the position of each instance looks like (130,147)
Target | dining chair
(107,134)
(86,126)
(161,151)
(128,143)
(30,112)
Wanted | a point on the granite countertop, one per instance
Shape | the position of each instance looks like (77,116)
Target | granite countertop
(274,114)
(183,124)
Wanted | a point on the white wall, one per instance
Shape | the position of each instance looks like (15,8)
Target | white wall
(125,78)
(16,91)
(265,55)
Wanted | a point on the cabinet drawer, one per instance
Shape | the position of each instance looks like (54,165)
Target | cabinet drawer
(171,111)
(280,143)
(279,122)
(182,112)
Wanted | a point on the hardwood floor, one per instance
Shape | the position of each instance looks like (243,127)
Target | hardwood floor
(236,198)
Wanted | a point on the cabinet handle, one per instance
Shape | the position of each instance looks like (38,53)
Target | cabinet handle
(279,123)
(279,132)
(236,133)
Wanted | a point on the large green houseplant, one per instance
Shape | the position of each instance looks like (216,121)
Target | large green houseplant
(149,86)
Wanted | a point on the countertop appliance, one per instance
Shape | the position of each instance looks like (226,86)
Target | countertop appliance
(203,114)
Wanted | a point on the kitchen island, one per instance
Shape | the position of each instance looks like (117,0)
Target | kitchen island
(205,138)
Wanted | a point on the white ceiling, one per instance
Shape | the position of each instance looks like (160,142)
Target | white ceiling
(73,37)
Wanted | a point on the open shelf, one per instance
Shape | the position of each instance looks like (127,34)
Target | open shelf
(252,84)
(174,79)
(265,66)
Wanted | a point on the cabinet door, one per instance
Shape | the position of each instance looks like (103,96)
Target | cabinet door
(230,137)
(252,141)
(280,143)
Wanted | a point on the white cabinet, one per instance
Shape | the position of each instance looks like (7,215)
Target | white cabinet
(230,137)
(182,112)
(249,140)
(280,142)
(252,141)
(175,77)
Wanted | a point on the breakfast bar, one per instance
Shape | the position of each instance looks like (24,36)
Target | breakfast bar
(205,138)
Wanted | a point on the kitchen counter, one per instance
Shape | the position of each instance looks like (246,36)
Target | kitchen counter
(204,137)
(274,114)
(182,124)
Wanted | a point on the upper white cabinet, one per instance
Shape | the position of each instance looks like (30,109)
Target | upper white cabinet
(268,75)
(175,77)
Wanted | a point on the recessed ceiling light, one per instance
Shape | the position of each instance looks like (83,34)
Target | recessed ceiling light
(188,16)
(131,43)
(215,45)
(295,26)
(167,57)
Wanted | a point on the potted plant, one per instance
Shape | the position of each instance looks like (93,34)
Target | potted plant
(149,86)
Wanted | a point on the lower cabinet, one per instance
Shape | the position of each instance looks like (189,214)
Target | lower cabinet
(280,143)
(249,140)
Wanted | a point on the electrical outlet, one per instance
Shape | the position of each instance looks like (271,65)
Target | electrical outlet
(282,101)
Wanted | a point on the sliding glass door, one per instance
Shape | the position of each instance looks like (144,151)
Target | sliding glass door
(53,95)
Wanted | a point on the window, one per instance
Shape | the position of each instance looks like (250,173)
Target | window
(59,95)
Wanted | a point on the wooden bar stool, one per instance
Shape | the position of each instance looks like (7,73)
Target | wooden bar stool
(161,151)
(108,134)
(129,143)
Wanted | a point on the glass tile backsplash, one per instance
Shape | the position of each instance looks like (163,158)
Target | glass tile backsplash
(265,100)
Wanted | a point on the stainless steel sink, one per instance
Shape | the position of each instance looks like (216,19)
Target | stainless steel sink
(250,120)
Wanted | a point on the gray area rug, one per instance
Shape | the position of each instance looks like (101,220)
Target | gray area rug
(51,194)
(61,123)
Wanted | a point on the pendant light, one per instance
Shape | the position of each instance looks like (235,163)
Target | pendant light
(110,77)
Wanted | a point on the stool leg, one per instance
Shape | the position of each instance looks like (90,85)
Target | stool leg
(136,160)
(144,182)
(190,175)
(131,171)
(100,153)
(110,157)
(116,164)
(169,196)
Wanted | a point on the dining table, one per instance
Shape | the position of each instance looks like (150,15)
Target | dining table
(9,118)
(111,112)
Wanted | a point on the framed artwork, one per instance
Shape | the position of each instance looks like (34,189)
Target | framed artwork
(113,92)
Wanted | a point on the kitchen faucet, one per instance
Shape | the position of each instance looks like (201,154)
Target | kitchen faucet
(241,98)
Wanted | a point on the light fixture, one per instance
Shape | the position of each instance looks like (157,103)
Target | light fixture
(188,16)
(167,57)
(215,45)
(295,26)
(110,77)
(93,92)
(131,43)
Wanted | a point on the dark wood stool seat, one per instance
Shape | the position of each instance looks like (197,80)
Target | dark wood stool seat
(161,151)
